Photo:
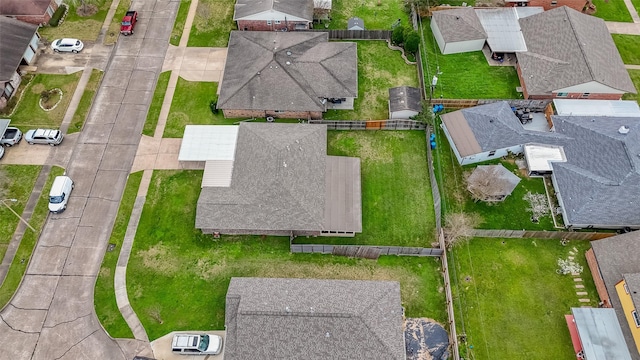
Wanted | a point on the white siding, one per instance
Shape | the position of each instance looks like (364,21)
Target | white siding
(438,35)
(403,114)
(273,15)
(28,54)
(484,156)
(590,87)
(464,46)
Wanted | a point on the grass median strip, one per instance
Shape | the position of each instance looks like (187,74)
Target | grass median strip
(85,102)
(178,25)
(156,104)
(29,240)
(178,277)
(105,297)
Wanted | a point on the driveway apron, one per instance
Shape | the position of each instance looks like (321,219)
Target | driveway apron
(51,316)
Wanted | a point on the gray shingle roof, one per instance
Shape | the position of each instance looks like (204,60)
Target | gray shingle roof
(459,24)
(405,98)
(633,284)
(501,179)
(23,7)
(355,22)
(567,48)
(15,36)
(295,71)
(617,256)
(313,319)
(299,8)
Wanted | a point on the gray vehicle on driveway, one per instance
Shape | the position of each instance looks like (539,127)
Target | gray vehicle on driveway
(44,136)
(10,135)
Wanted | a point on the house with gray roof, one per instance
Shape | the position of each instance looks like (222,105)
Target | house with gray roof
(570,55)
(313,319)
(273,15)
(287,74)
(597,178)
(458,30)
(18,46)
(275,179)
(615,267)
(404,102)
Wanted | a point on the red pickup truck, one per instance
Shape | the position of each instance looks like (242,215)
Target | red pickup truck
(128,23)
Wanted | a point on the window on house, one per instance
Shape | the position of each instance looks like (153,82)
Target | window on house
(563,94)
(554,3)
(277,22)
(635,318)
(268,22)
(585,95)
(50,11)
(492,152)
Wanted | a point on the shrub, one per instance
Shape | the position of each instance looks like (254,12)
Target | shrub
(60,12)
(397,37)
(411,42)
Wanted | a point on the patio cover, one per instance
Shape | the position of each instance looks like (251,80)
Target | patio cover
(4,124)
(614,108)
(540,157)
(206,142)
(600,334)
(503,29)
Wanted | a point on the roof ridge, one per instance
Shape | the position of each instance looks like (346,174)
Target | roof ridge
(321,62)
(368,307)
(580,46)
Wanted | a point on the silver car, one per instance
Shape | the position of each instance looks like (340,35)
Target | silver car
(67,45)
(44,136)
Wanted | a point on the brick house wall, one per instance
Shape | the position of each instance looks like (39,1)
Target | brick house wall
(578,5)
(261,232)
(262,25)
(264,113)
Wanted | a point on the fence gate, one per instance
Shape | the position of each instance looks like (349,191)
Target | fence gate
(374,125)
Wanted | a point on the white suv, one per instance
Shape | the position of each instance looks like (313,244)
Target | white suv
(44,136)
(196,344)
(67,45)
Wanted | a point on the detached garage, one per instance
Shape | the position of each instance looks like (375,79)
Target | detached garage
(458,30)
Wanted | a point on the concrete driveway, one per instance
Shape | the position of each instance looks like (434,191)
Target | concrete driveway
(196,64)
(52,315)
(93,55)
(162,347)
(25,154)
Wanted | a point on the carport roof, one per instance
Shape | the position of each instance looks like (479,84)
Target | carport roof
(503,29)
(15,36)
(4,124)
(600,333)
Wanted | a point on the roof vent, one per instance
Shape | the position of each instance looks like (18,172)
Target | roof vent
(288,53)
(287,309)
(623,130)
(288,63)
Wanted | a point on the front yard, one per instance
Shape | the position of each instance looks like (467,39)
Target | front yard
(628,46)
(379,68)
(212,24)
(75,26)
(178,277)
(612,10)
(635,77)
(466,75)
(28,113)
(509,300)
(376,14)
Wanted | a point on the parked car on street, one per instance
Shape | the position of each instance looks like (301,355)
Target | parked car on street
(59,194)
(10,135)
(67,45)
(44,136)
(128,23)
(196,344)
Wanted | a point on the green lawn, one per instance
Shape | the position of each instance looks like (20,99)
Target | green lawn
(75,26)
(379,68)
(178,25)
(612,10)
(113,32)
(628,46)
(23,255)
(636,5)
(29,114)
(177,277)
(510,301)
(508,214)
(85,102)
(377,14)
(16,182)
(635,77)
(212,24)
(190,106)
(397,205)
(466,75)
(105,297)
(156,104)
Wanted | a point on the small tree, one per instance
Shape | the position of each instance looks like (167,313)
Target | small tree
(81,6)
(397,37)
(458,228)
(411,42)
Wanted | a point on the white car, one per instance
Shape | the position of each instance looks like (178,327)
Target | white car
(44,136)
(59,194)
(196,344)
(67,45)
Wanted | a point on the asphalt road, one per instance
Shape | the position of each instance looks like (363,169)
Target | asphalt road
(52,315)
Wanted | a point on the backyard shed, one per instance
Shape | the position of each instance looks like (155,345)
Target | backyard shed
(491,183)
(458,30)
(355,23)
(404,102)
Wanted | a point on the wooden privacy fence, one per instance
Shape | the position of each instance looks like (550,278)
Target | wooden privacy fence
(534,105)
(453,335)
(558,235)
(355,34)
(435,192)
(370,252)
(391,124)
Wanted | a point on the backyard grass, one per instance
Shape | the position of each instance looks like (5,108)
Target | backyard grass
(377,14)
(466,75)
(612,10)
(85,102)
(16,182)
(75,26)
(156,104)
(511,213)
(23,255)
(635,77)
(114,28)
(397,205)
(212,24)
(28,113)
(509,300)
(628,46)
(105,296)
(178,277)
(178,25)
(379,68)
